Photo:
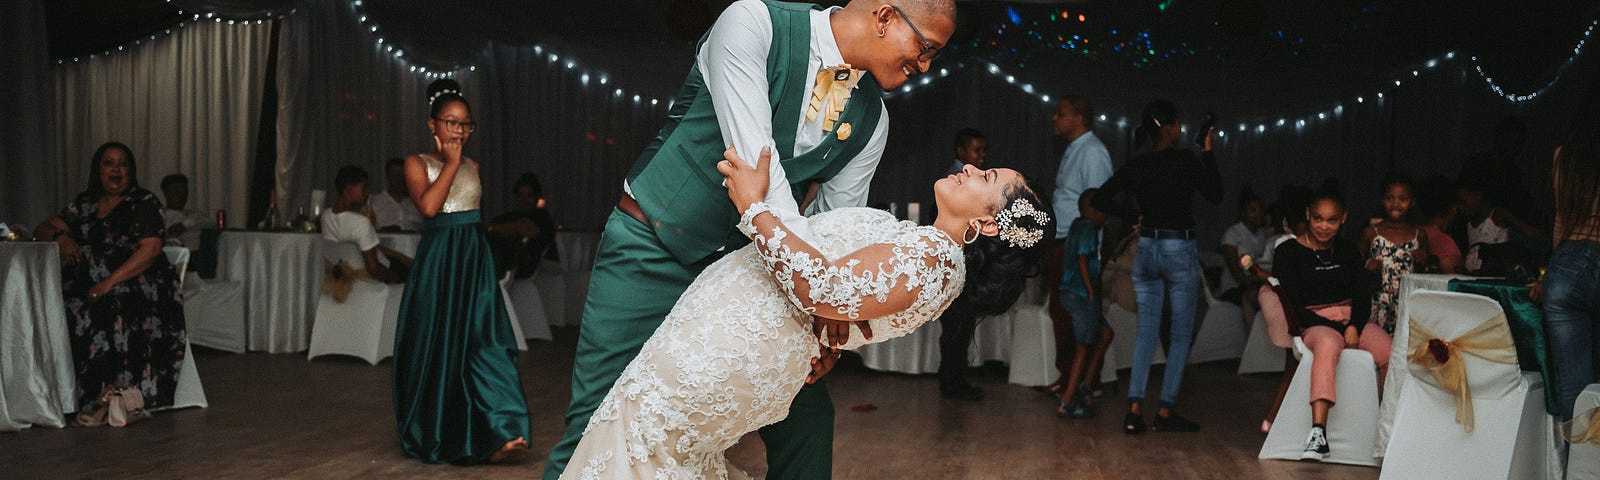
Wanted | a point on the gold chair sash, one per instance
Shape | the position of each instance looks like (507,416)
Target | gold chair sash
(1590,434)
(337,279)
(1490,341)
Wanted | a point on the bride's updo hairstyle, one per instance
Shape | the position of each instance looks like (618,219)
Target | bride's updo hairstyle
(443,91)
(998,266)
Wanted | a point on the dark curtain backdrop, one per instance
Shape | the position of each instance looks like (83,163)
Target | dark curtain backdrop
(28,171)
(343,100)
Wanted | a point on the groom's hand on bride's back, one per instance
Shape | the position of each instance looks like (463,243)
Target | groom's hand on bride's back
(822,364)
(836,332)
(832,333)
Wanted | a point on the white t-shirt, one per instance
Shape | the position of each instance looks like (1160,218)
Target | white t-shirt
(388,212)
(349,227)
(1247,242)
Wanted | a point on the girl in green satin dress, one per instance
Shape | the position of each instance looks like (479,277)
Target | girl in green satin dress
(457,393)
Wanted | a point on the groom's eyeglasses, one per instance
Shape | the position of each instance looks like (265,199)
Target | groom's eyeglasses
(928,52)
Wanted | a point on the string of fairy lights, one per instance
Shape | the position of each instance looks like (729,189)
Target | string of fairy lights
(1272,122)
(585,75)
(191,19)
(588,76)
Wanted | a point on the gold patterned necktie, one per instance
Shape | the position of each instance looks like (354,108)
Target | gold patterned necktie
(834,85)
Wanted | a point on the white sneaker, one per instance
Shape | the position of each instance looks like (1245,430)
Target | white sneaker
(1316,445)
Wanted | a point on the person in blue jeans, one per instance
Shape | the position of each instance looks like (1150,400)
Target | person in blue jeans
(1163,180)
(1080,296)
(1571,285)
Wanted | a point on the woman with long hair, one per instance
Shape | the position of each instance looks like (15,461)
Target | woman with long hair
(1571,284)
(1163,181)
(124,306)
(736,348)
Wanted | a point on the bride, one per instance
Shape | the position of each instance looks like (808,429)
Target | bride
(737,346)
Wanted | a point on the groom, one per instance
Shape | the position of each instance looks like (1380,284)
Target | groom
(804,80)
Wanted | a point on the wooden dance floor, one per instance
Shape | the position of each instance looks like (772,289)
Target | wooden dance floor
(280,416)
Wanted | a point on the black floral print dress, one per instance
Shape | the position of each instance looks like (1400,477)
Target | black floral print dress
(134,336)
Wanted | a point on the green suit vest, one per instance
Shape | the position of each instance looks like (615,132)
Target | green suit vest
(675,180)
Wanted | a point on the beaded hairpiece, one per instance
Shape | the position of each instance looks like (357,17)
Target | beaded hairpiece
(441,93)
(1018,236)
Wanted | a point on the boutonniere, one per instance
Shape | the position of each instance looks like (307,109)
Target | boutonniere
(834,85)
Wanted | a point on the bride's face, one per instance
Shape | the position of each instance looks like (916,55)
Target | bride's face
(974,192)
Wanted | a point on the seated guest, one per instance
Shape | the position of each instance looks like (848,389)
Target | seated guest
(1493,237)
(1437,202)
(525,234)
(124,308)
(183,224)
(1327,290)
(392,210)
(1247,237)
(345,223)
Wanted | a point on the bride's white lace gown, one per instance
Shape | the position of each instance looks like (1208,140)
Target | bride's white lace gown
(736,348)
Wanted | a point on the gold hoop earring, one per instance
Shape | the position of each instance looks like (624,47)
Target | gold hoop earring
(966,240)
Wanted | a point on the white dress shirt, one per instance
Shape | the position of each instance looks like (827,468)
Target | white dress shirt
(1086,164)
(193,221)
(733,62)
(1247,242)
(386,211)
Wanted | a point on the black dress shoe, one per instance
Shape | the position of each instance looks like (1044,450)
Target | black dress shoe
(961,392)
(1175,423)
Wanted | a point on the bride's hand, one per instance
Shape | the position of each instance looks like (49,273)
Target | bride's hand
(746,184)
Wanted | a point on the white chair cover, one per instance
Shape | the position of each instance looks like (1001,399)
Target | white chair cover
(191,393)
(1583,460)
(1221,335)
(1539,443)
(1260,355)
(524,298)
(1125,325)
(1352,422)
(551,278)
(1427,441)
(361,326)
(1033,346)
(213,313)
(516,322)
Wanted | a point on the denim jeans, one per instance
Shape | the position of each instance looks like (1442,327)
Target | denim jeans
(1571,310)
(1086,317)
(1166,269)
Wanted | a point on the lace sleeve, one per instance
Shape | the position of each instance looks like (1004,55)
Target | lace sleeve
(877,280)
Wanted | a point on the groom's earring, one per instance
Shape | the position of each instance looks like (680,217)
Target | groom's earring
(966,240)
(882,31)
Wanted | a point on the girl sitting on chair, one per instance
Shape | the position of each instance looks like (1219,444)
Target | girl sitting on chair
(1327,291)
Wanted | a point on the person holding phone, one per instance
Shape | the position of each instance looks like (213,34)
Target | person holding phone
(1163,181)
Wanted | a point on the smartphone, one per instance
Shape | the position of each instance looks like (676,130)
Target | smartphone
(1206,125)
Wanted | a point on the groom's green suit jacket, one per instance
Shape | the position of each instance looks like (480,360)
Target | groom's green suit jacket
(675,180)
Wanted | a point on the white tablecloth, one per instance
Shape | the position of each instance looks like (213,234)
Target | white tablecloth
(36,377)
(281,273)
(1397,375)
(1021,337)
(280,277)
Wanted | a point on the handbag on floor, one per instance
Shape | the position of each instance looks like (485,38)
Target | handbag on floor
(125,407)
